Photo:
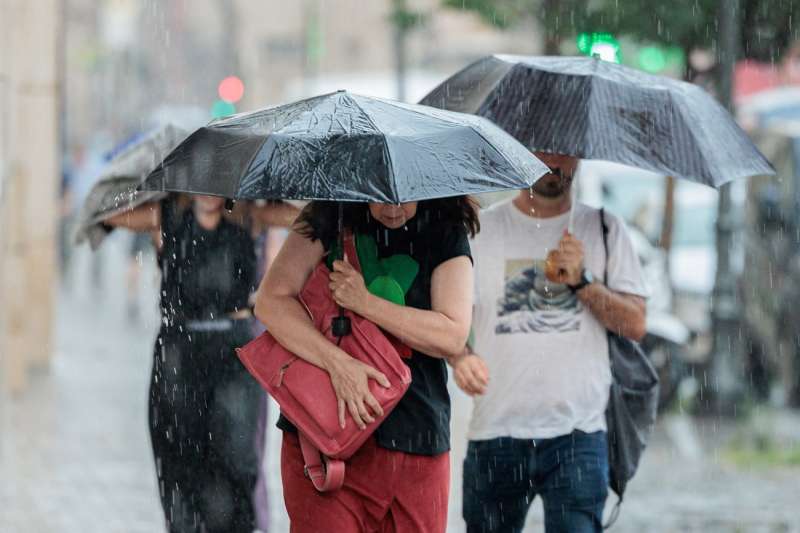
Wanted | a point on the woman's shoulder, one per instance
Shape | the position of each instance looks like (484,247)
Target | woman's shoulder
(447,241)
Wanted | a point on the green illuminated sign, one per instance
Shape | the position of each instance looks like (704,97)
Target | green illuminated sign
(603,45)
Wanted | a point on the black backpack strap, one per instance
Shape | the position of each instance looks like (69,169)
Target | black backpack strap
(604,227)
(614,514)
(615,511)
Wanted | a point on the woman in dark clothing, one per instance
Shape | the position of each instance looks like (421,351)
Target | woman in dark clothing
(204,406)
(417,286)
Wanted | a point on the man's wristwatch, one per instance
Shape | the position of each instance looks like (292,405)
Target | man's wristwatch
(586,279)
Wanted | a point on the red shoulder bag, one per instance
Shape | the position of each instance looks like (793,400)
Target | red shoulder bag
(304,391)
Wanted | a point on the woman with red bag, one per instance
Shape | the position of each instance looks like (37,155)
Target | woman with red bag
(416,284)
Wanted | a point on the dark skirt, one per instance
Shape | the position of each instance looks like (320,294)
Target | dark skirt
(205,412)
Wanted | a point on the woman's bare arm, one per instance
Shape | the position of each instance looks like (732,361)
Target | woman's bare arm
(439,332)
(145,218)
(278,308)
(281,214)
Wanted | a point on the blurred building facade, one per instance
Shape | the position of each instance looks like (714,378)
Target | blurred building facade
(130,63)
(29,177)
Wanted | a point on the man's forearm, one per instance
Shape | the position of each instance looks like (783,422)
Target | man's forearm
(623,314)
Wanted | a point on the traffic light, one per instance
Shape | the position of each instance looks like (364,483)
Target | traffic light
(230,91)
(603,45)
(221,109)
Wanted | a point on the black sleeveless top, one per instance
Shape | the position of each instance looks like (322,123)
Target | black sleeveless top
(204,274)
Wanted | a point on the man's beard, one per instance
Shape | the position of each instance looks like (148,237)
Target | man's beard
(550,188)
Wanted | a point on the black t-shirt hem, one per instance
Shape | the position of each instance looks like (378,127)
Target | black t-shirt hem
(384,441)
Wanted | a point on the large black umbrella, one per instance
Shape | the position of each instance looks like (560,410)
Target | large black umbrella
(346,147)
(594,109)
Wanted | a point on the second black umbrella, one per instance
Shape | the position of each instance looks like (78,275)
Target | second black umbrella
(594,109)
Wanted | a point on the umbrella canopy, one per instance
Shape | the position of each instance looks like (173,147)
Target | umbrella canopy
(346,147)
(594,109)
(116,188)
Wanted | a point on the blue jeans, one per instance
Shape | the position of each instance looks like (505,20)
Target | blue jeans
(502,477)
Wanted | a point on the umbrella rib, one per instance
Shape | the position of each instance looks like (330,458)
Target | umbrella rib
(708,179)
(501,154)
(435,109)
(392,182)
(252,158)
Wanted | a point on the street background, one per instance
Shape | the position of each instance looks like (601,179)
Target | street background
(82,79)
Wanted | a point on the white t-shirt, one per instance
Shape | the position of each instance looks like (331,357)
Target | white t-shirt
(547,355)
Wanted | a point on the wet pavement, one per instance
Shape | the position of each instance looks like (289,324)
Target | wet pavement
(76,453)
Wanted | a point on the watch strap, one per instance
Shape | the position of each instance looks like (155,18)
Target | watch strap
(585,280)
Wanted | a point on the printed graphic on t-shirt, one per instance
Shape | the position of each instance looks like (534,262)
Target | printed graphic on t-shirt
(533,304)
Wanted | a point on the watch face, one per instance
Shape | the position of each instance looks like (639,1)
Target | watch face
(587,276)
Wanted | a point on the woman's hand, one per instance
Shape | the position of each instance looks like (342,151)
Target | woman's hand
(471,374)
(350,378)
(348,287)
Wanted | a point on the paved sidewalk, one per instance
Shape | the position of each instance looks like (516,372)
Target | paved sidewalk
(76,454)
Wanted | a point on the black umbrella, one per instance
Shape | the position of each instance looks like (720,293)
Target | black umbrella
(346,147)
(594,109)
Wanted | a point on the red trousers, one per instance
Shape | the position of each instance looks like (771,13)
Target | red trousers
(384,491)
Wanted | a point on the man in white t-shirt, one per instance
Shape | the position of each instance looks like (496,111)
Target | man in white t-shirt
(540,373)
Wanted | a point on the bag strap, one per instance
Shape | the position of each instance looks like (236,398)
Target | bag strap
(615,511)
(614,514)
(604,228)
(350,250)
(325,473)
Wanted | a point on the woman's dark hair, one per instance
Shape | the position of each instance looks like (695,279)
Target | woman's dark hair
(320,219)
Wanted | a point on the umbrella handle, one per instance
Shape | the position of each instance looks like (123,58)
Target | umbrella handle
(340,325)
(573,195)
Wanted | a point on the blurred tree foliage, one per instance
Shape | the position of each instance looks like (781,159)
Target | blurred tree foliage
(767,26)
(559,19)
(767,29)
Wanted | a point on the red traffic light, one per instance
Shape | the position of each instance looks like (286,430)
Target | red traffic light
(231,89)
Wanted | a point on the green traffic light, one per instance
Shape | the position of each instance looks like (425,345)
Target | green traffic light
(221,109)
(603,45)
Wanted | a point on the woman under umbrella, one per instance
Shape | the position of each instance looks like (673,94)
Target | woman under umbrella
(400,478)
(204,406)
